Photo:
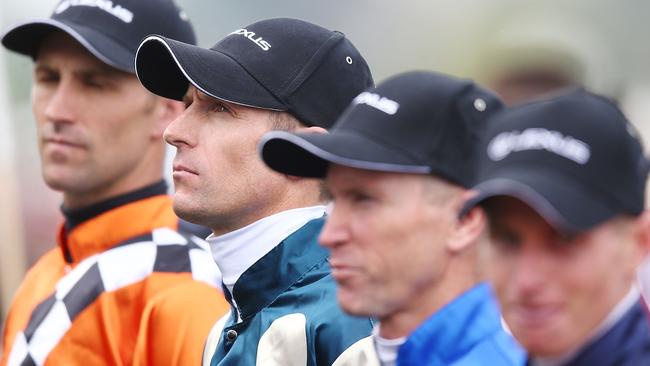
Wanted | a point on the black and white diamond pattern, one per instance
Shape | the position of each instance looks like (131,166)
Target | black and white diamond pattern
(163,250)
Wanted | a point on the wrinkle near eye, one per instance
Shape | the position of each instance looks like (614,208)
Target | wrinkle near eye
(219,107)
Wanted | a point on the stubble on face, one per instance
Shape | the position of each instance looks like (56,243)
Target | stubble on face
(94,124)
(220,180)
(386,236)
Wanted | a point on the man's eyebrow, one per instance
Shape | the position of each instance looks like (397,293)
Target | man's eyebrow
(84,72)
(208,98)
(43,68)
(101,72)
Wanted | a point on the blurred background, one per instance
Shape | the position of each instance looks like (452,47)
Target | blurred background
(519,48)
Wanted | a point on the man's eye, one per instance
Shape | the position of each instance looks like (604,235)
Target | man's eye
(93,83)
(505,239)
(47,78)
(361,198)
(220,108)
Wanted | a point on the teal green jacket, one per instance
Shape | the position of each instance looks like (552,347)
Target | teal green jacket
(290,315)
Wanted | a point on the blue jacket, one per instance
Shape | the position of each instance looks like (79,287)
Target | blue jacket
(626,344)
(289,311)
(465,332)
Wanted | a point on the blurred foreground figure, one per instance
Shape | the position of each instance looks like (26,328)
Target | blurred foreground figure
(128,283)
(563,183)
(398,164)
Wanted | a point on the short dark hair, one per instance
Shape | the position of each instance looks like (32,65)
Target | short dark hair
(283,121)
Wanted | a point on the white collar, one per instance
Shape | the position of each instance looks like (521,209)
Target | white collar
(386,349)
(238,250)
(610,320)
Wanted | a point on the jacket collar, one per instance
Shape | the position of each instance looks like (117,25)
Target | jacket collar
(279,269)
(75,217)
(626,343)
(108,227)
(457,327)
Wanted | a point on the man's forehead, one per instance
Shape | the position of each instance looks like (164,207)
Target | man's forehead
(350,177)
(508,211)
(60,49)
(503,205)
(194,92)
(339,174)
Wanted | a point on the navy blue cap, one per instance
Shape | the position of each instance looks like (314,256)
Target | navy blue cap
(416,122)
(574,158)
(110,30)
(277,64)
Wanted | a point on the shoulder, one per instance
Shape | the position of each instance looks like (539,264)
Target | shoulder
(188,295)
(360,353)
(40,280)
(315,296)
(630,337)
(331,330)
(51,261)
(163,251)
(147,268)
(189,309)
(501,349)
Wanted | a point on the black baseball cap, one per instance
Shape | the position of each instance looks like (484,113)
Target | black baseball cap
(416,122)
(278,64)
(110,30)
(574,158)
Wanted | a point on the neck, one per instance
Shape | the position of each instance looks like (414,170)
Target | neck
(294,196)
(459,276)
(147,172)
(74,217)
(238,250)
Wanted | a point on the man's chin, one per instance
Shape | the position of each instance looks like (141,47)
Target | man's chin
(353,304)
(543,346)
(61,183)
(189,212)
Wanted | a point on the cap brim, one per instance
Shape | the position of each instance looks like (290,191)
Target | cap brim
(26,38)
(565,205)
(309,154)
(167,67)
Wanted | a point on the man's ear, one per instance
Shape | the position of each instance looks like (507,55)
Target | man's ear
(469,227)
(642,235)
(165,111)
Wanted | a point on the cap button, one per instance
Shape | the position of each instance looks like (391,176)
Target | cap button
(479,104)
(231,335)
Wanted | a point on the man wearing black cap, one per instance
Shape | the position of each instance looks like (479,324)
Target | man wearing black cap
(126,278)
(398,164)
(563,183)
(273,74)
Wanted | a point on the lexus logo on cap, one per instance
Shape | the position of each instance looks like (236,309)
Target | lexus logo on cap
(555,142)
(377,101)
(264,45)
